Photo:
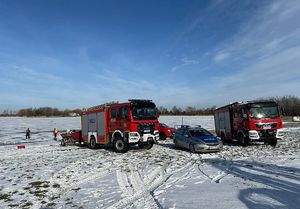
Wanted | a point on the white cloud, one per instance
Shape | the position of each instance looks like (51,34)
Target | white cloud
(221,56)
(264,56)
(184,62)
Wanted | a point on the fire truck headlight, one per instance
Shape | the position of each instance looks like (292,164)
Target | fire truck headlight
(253,134)
(133,134)
(279,134)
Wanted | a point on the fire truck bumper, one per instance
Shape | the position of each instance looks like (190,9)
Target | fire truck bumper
(135,137)
(147,137)
(265,135)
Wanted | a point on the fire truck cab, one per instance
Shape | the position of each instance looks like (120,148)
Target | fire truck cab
(249,122)
(121,124)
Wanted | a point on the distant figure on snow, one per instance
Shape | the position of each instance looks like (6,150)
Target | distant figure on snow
(27,133)
(55,131)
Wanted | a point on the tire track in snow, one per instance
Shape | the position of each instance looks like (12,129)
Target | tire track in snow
(156,178)
(76,174)
(132,183)
(215,178)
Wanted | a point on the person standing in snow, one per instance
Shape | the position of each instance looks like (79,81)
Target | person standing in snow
(27,133)
(55,131)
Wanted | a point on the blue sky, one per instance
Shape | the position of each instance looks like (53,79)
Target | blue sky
(70,54)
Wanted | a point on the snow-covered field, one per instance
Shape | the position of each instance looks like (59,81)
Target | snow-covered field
(46,175)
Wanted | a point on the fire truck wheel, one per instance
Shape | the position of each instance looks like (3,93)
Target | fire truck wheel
(273,142)
(162,136)
(141,145)
(120,145)
(148,145)
(242,140)
(192,148)
(93,144)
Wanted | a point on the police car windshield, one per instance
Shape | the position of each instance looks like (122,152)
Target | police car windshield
(144,112)
(199,132)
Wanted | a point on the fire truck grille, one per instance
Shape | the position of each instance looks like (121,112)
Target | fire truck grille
(266,125)
(267,134)
(145,128)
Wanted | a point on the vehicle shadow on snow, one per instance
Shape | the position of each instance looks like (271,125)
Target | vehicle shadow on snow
(109,148)
(282,183)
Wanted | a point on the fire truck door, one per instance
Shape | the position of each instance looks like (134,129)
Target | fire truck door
(119,119)
(113,120)
(239,117)
(123,118)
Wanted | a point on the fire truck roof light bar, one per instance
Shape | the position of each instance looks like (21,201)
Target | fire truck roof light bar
(103,105)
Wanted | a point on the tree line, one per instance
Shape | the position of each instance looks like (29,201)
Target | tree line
(289,104)
(186,111)
(47,112)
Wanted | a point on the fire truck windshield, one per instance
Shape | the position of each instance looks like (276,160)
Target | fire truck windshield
(144,112)
(257,113)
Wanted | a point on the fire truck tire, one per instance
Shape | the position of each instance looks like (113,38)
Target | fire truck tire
(93,144)
(141,145)
(148,145)
(273,143)
(243,141)
(120,145)
(162,136)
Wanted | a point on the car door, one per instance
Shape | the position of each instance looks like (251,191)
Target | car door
(186,139)
(179,138)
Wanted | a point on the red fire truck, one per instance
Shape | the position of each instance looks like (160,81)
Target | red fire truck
(249,122)
(119,124)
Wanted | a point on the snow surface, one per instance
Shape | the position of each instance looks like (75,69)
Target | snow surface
(46,175)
